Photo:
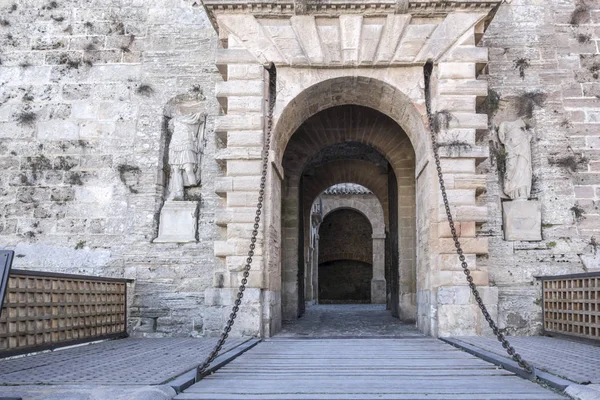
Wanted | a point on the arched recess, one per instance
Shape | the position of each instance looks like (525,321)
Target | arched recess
(343,269)
(364,91)
(347,171)
(339,111)
(373,214)
(373,211)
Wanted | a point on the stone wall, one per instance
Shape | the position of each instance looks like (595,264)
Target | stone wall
(83,86)
(345,235)
(543,56)
(345,281)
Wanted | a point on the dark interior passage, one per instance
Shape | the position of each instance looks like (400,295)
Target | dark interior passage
(345,258)
(345,281)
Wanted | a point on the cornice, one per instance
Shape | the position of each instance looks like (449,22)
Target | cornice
(333,8)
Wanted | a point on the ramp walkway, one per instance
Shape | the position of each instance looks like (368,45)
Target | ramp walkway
(416,368)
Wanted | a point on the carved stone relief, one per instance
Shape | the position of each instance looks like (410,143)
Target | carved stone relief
(187,126)
(187,121)
(522,218)
(517,142)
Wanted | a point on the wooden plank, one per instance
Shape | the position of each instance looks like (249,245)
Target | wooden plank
(362,369)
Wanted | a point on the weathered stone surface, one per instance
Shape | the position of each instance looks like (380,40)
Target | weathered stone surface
(83,142)
(522,220)
(178,222)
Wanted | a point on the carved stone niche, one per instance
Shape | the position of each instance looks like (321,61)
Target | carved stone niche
(522,217)
(187,120)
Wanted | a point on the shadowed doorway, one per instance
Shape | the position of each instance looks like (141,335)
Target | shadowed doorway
(345,258)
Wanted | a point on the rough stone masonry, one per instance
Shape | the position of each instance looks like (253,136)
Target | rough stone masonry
(86,89)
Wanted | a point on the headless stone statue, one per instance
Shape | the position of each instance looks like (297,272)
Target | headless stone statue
(179,218)
(516,140)
(185,150)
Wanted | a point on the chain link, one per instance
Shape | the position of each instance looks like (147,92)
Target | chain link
(463,262)
(201,371)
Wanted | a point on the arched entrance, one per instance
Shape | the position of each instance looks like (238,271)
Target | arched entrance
(356,144)
(335,65)
(340,240)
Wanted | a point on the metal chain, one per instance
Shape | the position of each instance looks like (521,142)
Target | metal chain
(499,335)
(201,371)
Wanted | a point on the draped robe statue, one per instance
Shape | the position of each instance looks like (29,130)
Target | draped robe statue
(187,125)
(516,140)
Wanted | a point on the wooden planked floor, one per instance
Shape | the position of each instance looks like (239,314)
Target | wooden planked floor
(335,369)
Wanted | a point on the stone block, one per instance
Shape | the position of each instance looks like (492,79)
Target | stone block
(465,181)
(465,213)
(456,103)
(241,199)
(458,165)
(245,138)
(57,130)
(522,220)
(378,295)
(223,185)
(178,222)
(245,104)
(450,262)
(458,196)
(478,245)
(457,278)
(245,71)
(457,320)
(239,153)
(227,296)
(234,56)
(237,263)
(235,214)
(477,54)
(463,87)
(244,168)
(456,70)
(463,229)
(240,88)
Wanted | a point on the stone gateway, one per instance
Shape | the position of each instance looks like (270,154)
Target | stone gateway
(131,140)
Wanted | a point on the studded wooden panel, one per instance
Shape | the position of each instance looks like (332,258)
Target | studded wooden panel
(43,310)
(572,305)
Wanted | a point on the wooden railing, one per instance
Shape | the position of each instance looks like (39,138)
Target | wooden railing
(45,310)
(571,305)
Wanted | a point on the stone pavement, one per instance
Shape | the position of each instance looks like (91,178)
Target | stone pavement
(95,369)
(348,320)
(575,361)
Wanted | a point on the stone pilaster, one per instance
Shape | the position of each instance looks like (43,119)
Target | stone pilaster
(458,90)
(241,134)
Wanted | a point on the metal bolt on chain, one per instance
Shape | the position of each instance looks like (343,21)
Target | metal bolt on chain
(201,371)
(499,335)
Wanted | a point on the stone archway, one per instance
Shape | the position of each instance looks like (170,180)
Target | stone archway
(324,55)
(382,159)
(373,211)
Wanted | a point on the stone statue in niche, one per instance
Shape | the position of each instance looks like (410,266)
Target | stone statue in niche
(179,218)
(516,140)
(187,125)
(522,218)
